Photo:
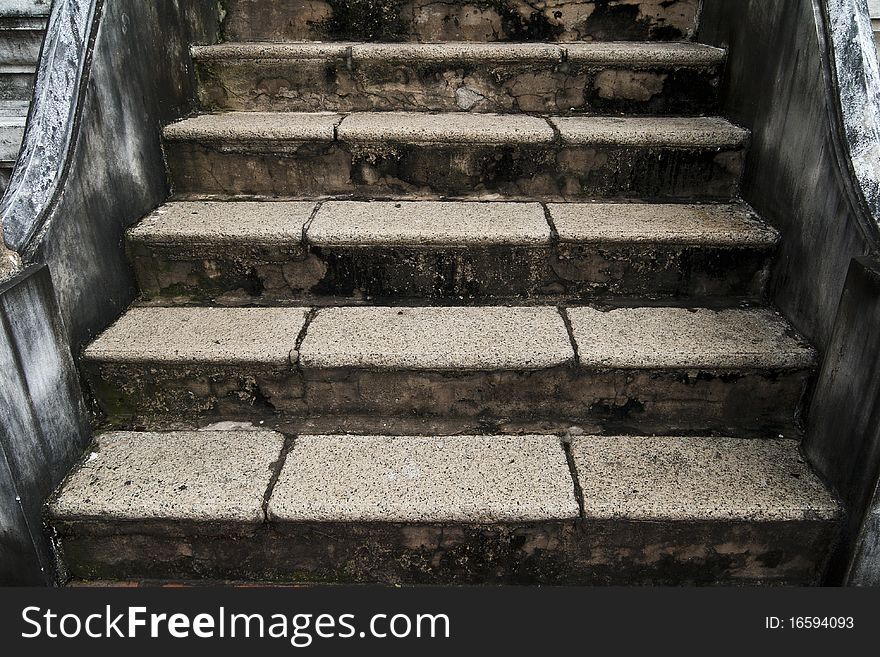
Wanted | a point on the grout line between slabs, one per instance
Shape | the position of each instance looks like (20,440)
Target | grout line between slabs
(563,312)
(276,467)
(304,239)
(572,470)
(300,338)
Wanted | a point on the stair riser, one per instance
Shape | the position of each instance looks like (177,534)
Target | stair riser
(548,171)
(459,20)
(180,273)
(310,85)
(20,46)
(576,552)
(628,401)
(16,86)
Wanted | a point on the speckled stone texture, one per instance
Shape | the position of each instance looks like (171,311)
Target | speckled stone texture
(460,20)
(638,369)
(425,479)
(656,250)
(474,77)
(233,253)
(684,224)
(234,127)
(692,479)
(189,362)
(419,128)
(416,223)
(455,155)
(200,335)
(191,476)
(210,250)
(700,511)
(426,509)
(453,338)
(675,132)
(444,509)
(671,338)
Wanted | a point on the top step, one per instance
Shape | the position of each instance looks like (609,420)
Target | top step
(460,20)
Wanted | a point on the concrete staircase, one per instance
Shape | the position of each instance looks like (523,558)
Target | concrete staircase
(22,28)
(451,293)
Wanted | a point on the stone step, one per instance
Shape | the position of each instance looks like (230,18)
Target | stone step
(21,38)
(369,155)
(632,78)
(16,81)
(641,370)
(443,509)
(11,134)
(459,20)
(202,251)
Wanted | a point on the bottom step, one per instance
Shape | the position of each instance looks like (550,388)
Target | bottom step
(256,505)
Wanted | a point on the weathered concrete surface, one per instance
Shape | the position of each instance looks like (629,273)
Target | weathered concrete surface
(452,338)
(456,365)
(246,251)
(700,510)
(445,509)
(460,20)
(413,223)
(806,90)
(79,233)
(655,250)
(689,479)
(424,479)
(21,38)
(156,361)
(45,424)
(207,250)
(200,335)
(382,154)
(658,338)
(475,77)
(186,476)
(842,439)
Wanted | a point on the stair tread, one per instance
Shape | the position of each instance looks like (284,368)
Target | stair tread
(445,338)
(621,52)
(218,476)
(716,224)
(695,478)
(469,479)
(427,222)
(214,335)
(708,131)
(420,223)
(453,127)
(477,338)
(682,337)
(223,476)
(226,223)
